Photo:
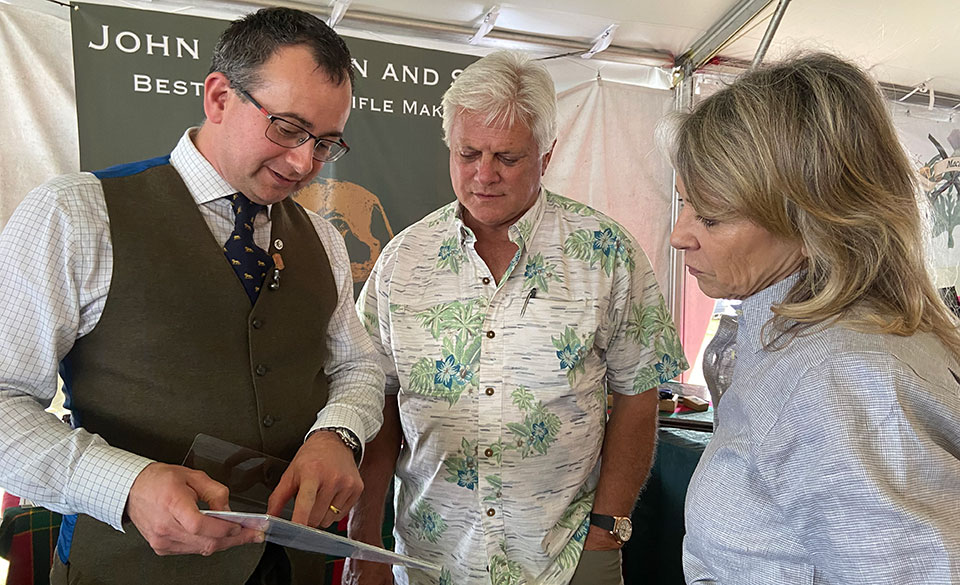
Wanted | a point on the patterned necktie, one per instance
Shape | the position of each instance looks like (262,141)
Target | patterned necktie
(249,261)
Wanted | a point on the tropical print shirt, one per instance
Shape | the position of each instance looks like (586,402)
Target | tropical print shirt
(502,387)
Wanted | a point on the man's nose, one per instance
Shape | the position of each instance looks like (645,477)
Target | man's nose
(488,171)
(301,159)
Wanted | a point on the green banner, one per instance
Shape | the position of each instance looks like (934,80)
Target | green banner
(139,79)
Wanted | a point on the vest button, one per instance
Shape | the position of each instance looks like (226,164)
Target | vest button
(489,391)
(268,421)
(261,370)
(488,452)
(486,280)
(491,512)
(491,334)
(257,323)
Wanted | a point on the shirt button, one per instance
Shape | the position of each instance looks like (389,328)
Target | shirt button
(261,370)
(489,391)
(499,494)
(488,452)
(257,323)
(486,280)
(491,512)
(491,334)
(268,421)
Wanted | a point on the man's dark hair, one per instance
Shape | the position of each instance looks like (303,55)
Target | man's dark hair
(249,42)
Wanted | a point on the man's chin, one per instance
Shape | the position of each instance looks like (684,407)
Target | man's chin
(276,193)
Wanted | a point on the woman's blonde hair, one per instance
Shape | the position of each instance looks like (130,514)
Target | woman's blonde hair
(806,149)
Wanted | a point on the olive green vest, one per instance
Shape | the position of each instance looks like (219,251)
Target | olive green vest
(178,351)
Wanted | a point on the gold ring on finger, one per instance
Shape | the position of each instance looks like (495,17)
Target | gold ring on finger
(334,509)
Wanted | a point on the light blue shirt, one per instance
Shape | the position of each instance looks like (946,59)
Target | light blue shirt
(835,460)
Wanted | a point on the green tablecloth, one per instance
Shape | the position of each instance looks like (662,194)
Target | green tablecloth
(653,555)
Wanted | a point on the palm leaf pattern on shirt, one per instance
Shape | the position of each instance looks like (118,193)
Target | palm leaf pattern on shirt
(496,486)
(539,427)
(571,351)
(462,467)
(503,571)
(450,375)
(427,523)
(371,323)
(606,247)
(570,205)
(450,255)
(458,318)
(539,273)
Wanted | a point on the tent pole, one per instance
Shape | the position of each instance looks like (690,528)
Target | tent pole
(771,30)
(675,273)
(710,43)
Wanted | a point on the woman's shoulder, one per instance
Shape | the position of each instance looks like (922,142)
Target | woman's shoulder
(844,347)
(838,364)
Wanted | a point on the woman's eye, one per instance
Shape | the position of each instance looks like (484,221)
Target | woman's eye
(706,221)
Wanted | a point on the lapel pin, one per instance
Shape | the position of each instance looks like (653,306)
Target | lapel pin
(277,267)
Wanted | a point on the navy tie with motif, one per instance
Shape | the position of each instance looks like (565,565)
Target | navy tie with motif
(249,261)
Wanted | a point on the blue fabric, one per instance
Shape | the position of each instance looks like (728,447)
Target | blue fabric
(127,169)
(65,540)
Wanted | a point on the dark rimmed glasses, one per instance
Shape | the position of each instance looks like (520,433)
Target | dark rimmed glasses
(289,135)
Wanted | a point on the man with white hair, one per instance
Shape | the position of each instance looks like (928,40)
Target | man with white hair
(502,320)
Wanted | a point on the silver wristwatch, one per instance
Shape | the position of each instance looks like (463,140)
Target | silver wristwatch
(348,438)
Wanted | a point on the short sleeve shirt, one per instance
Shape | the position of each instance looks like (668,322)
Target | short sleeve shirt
(502,388)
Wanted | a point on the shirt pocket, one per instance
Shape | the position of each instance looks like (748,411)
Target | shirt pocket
(436,348)
(549,346)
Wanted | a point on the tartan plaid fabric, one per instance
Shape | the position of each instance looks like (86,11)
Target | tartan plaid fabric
(28,538)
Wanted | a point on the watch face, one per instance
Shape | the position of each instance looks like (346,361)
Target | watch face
(623,529)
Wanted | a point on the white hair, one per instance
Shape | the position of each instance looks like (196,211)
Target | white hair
(507,87)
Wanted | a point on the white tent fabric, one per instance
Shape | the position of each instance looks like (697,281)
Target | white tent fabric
(606,157)
(38,122)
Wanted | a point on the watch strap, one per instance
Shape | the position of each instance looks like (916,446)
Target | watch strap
(603,521)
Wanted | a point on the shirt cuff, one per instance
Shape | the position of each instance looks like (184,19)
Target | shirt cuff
(104,476)
(341,416)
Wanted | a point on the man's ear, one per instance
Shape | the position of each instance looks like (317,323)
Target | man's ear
(216,89)
(546,158)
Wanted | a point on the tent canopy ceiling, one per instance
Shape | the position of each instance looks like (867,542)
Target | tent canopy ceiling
(903,43)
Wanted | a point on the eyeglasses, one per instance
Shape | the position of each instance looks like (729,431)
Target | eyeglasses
(289,135)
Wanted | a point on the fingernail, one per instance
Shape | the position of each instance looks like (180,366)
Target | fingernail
(260,537)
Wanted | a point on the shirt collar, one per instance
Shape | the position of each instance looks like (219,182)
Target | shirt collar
(757,309)
(521,232)
(202,180)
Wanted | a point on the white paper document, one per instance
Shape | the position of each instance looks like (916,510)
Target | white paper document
(286,533)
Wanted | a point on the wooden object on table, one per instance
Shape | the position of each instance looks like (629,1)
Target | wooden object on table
(695,403)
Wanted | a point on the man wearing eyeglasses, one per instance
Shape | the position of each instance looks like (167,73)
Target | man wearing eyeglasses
(188,294)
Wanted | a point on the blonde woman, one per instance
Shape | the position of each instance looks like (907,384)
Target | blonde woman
(836,457)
